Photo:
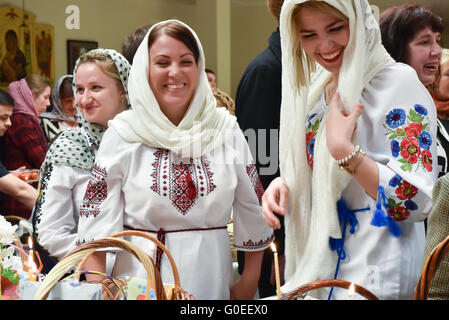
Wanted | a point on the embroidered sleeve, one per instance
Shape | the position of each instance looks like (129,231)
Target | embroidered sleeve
(250,230)
(409,176)
(53,216)
(101,211)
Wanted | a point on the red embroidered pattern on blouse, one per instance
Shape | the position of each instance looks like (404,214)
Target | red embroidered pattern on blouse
(251,170)
(96,192)
(250,244)
(182,182)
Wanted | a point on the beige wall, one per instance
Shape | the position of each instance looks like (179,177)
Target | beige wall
(110,21)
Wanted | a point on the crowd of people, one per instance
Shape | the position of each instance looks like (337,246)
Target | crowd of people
(144,140)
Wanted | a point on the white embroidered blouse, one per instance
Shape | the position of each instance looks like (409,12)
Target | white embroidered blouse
(398,131)
(137,187)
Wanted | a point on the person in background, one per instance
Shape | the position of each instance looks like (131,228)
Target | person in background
(132,42)
(440,93)
(258,104)
(357,139)
(25,144)
(222,98)
(63,110)
(187,167)
(100,85)
(9,183)
(411,33)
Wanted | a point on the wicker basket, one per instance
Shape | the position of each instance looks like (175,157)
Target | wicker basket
(429,269)
(172,292)
(63,266)
(175,292)
(302,290)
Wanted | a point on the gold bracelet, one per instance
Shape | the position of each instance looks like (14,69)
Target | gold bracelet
(351,165)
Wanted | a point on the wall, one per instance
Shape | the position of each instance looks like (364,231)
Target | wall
(110,21)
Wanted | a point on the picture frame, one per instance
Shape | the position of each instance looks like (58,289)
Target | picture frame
(76,48)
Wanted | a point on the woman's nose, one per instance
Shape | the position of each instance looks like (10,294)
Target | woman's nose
(436,49)
(173,70)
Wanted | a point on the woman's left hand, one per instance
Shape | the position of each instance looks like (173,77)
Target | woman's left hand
(340,127)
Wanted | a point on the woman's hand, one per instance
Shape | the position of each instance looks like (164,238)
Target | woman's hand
(340,127)
(274,200)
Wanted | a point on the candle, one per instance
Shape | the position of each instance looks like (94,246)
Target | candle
(276,269)
(351,291)
(31,265)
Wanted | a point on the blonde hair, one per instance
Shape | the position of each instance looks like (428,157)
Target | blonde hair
(304,64)
(37,84)
(104,61)
(444,56)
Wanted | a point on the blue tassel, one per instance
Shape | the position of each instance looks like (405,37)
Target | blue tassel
(379,219)
(394,228)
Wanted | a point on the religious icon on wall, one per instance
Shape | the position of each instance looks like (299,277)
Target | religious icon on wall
(15,43)
(25,46)
(43,51)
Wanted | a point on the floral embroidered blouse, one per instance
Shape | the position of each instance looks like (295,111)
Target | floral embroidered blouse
(398,131)
(133,186)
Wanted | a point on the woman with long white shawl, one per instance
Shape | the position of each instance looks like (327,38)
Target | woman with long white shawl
(357,139)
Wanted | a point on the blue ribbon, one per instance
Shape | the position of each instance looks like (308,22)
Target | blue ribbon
(345,217)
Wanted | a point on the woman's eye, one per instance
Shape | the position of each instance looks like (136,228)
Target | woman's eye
(162,63)
(308,36)
(336,29)
(79,90)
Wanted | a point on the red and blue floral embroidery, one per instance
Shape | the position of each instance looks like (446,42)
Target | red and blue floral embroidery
(400,210)
(311,131)
(410,140)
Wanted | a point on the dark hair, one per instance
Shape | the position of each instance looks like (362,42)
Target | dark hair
(398,26)
(6,99)
(209,71)
(66,90)
(132,42)
(275,7)
(178,31)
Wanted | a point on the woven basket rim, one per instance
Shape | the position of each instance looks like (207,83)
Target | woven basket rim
(318,284)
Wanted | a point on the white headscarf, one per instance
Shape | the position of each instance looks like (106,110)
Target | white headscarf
(203,127)
(312,215)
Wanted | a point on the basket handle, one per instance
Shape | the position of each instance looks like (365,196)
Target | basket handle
(87,249)
(301,290)
(159,244)
(430,267)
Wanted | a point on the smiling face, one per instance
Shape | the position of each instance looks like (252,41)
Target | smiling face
(99,96)
(42,101)
(323,36)
(423,53)
(173,76)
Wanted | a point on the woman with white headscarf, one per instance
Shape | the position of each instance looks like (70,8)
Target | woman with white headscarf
(100,86)
(176,166)
(357,140)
